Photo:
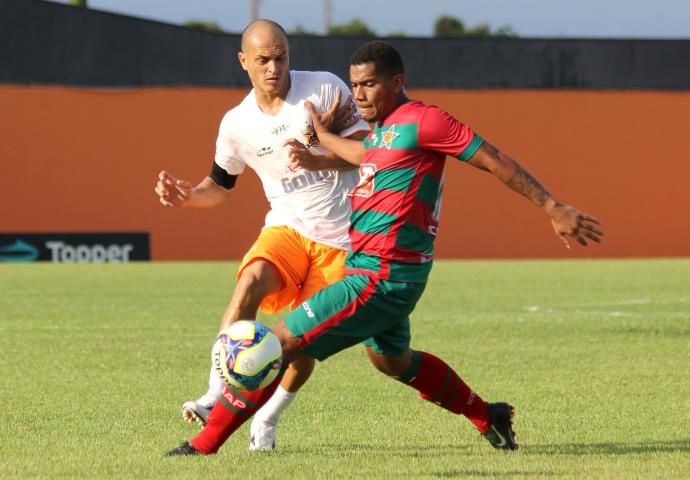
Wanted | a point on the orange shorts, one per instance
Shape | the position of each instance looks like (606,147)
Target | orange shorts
(305,265)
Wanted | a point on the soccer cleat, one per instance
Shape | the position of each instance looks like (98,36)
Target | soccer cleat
(263,436)
(183,450)
(198,411)
(500,434)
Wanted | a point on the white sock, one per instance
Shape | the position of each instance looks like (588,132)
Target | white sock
(215,387)
(276,405)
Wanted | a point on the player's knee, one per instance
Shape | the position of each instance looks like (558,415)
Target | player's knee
(383,368)
(391,365)
(391,370)
(253,276)
(292,350)
(259,279)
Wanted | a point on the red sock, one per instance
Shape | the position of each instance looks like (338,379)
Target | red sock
(228,414)
(438,383)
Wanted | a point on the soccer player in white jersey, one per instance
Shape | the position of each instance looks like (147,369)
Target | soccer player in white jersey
(303,244)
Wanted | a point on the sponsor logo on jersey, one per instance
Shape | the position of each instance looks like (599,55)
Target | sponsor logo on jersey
(280,129)
(365,187)
(388,136)
(302,181)
(265,151)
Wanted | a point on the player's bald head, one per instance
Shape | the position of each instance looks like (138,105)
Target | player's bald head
(266,58)
(263,31)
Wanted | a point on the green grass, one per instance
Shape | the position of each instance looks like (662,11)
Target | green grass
(595,355)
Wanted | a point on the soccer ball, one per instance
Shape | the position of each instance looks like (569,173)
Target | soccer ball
(247,355)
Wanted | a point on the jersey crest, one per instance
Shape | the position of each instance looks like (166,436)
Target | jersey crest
(388,136)
(309,136)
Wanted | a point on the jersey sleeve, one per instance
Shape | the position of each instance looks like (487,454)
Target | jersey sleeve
(328,93)
(441,132)
(226,152)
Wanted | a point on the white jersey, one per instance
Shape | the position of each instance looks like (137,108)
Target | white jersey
(313,203)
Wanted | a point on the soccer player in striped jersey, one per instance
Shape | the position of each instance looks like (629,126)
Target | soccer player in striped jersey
(392,228)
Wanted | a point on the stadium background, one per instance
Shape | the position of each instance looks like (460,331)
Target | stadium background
(89,121)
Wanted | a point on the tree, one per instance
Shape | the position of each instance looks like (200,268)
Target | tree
(204,25)
(505,31)
(299,30)
(479,31)
(447,26)
(78,3)
(355,28)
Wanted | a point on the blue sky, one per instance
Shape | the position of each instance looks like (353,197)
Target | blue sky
(529,18)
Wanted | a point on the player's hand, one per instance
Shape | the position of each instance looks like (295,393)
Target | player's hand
(301,157)
(568,222)
(335,119)
(345,116)
(322,122)
(171,191)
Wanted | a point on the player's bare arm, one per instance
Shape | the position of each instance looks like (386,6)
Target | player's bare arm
(566,220)
(301,156)
(174,192)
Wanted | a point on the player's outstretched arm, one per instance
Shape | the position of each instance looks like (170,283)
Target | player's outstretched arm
(174,192)
(567,221)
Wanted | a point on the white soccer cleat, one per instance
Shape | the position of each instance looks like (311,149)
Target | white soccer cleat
(263,436)
(198,411)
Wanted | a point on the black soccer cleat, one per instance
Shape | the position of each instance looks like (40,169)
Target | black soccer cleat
(184,449)
(501,434)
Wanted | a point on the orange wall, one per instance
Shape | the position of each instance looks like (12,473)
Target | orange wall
(87,159)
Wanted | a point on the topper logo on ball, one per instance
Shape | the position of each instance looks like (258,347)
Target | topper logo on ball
(217,362)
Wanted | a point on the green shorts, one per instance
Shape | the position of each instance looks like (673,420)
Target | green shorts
(356,309)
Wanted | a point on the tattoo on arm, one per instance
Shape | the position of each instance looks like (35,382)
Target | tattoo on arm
(511,173)
(525,184)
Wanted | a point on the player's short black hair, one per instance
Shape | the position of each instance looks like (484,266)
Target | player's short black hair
(383,55)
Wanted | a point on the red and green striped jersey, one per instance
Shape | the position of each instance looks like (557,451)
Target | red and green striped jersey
(396,206)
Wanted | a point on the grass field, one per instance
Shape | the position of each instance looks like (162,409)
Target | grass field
(595,355)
